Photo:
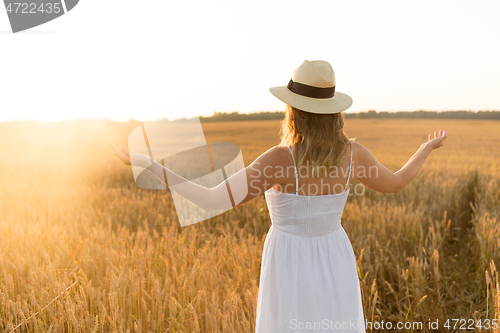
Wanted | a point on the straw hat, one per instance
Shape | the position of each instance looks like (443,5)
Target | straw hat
(312,89)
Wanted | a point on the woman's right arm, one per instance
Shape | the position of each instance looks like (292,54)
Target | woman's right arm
(253,180)
(377,177)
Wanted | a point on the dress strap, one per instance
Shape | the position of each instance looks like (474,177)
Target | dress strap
(296,174)
(349,176)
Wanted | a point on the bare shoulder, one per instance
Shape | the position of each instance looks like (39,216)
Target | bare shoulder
(267,169)
(363,160)
(274,156)
(360,152)
(358,147)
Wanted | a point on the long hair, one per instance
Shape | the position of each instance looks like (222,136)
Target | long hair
(318,141)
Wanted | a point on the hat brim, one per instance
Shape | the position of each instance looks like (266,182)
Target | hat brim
(338,103)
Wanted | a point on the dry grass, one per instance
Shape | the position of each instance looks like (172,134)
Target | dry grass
(83,249)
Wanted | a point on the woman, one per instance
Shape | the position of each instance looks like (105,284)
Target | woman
(308,280)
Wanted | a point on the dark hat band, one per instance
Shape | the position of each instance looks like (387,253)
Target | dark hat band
(310,91)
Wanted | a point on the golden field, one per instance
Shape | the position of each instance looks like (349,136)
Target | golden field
(83,249)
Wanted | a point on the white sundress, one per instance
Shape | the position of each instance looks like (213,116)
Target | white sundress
(308,281)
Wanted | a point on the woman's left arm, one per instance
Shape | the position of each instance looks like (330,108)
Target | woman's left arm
(256,178)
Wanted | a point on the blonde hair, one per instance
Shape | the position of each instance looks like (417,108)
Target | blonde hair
(315,138)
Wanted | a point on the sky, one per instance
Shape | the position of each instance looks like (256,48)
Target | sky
(157,59)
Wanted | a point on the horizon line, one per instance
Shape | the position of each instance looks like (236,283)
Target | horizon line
(225,112)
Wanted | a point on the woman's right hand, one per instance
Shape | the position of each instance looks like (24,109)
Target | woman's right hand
(121,153)
(438,140)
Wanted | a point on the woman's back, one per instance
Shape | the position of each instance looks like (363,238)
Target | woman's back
(307,215)
(337,180)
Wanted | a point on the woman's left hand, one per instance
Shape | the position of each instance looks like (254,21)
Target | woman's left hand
(121,153)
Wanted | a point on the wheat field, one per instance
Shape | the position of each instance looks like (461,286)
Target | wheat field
(83,249)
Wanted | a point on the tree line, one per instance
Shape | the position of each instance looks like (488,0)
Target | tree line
(420,114)
(427,114)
